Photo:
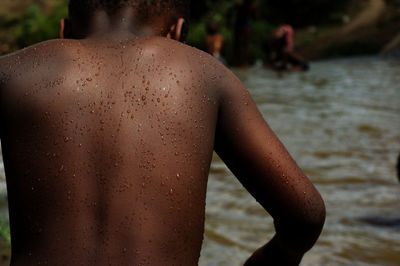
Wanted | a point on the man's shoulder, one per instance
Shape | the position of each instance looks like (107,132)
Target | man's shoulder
(41,47)
(174,47)
(35,56)
(183,56)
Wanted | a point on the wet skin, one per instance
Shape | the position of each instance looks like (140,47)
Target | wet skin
(107,148)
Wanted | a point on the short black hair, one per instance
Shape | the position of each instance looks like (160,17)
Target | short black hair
(82,9)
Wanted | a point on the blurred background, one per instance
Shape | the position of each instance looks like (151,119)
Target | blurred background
(323,28)
(340,120)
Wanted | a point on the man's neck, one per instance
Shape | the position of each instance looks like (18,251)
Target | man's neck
(122,26)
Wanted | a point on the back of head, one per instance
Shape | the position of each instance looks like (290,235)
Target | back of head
(81,10)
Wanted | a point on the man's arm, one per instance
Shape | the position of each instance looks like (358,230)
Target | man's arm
(258,159)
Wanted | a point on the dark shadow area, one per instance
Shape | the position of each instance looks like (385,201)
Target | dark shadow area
(380,221)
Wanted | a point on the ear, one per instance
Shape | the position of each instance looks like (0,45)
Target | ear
(64,30)
(176,30)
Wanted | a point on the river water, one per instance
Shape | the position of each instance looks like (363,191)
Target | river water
(341,123)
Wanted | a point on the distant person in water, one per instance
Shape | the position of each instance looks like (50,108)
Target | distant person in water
(283,56)
(108,137)
(215,41)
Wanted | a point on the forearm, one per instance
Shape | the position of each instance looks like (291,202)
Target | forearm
(292,240)
(274,253)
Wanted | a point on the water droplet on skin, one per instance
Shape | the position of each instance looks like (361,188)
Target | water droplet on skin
(178,175)
(171,191)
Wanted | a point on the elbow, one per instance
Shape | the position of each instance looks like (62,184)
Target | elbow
(303,229)
(313,219)
(315,215)
(311,214)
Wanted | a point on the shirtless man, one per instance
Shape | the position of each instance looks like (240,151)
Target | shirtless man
(108,138)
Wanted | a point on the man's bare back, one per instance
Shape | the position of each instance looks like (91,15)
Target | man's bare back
(116,137)
(107,145)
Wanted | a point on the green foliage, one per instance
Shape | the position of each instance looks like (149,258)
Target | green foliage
(197,35)
(200,9)
(260,32)
(5,239)
(38,26)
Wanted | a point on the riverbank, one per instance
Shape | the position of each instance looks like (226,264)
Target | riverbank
(371,27)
